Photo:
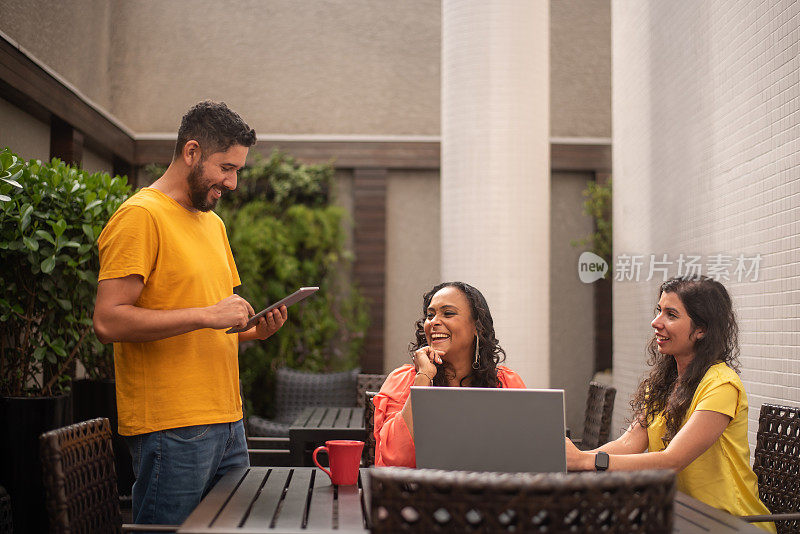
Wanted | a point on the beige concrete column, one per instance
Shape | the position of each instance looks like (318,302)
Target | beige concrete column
(495,189)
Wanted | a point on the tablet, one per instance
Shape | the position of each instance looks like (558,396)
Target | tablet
(297,296)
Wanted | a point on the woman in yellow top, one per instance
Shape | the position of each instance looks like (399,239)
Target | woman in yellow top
(690,413)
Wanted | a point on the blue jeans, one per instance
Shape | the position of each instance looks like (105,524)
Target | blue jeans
(175,468)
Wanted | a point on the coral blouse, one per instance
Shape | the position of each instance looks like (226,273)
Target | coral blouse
(393,442)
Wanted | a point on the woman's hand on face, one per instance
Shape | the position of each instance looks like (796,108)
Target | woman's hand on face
(425,360)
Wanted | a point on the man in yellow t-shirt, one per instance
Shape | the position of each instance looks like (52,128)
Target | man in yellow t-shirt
(165,298)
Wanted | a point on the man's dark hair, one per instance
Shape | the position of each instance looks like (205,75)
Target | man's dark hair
(215,126)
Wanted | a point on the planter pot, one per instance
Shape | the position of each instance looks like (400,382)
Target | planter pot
(98,398)
(22,420)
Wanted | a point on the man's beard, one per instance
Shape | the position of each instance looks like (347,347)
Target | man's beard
(199,189)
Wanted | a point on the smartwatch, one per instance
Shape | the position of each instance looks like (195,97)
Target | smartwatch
(601,461)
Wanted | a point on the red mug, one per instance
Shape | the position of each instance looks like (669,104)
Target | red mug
(344,455)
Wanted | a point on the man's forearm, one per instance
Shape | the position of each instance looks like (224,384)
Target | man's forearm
(133,324)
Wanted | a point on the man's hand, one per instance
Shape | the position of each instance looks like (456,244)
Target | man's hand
(230,311)
(271,322)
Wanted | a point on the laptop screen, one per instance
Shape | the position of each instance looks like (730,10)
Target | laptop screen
(489,429)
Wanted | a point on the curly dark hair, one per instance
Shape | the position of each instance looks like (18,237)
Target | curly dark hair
(491,353)
(709,307)
(215,126)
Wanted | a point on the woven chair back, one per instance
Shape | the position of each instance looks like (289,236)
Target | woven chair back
(366,382)
(297,390)
(422,500)
(599,407)
(368,456)
(777,462)
(79,478)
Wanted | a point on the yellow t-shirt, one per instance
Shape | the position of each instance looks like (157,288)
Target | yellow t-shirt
(720,477)
(186,262)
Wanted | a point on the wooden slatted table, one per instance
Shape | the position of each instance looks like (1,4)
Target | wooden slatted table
(693,516)
(314,426)
(280,500)
(302,500)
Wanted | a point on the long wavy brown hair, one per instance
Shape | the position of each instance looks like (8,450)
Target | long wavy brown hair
(490,351)
(709,307)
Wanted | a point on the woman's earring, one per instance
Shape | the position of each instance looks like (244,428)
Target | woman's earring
(475,364)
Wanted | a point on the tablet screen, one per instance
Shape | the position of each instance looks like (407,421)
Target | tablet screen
(297,296)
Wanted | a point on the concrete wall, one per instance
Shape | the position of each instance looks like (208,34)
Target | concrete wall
(30,138)
(571,301)
(413,255)
(372,67)
(337,67)
(24,134)
(580,68)
(95,163)
(706,159)
(72,38)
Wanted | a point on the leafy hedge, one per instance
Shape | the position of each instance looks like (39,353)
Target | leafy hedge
(285,234)
(52,215)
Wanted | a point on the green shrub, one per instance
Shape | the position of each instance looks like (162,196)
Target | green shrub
(598,206)
(284,235)
(51,217)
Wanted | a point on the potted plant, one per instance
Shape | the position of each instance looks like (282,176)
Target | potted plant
(50,217)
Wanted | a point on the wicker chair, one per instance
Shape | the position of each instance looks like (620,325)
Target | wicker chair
(265,451)
(368,456)
(597,423)
(80,482)
(422,500)
(296,390)
(6,525)
(364,383)
(777,466)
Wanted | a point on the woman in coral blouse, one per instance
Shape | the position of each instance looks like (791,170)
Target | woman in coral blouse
(690,413)
(455,346)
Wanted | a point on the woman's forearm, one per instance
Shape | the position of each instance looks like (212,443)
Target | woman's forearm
(698,434)
(633,462)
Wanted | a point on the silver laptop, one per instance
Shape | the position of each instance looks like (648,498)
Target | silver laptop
(489,429)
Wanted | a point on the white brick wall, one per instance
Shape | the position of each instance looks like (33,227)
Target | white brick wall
(706,122)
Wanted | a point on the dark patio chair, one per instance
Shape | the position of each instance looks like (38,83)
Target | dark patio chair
(366,382)
(269,451)
(296,390)
(368,456)
(597,422)
(777,466)
(423,500)
(80,482)
(265,451)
